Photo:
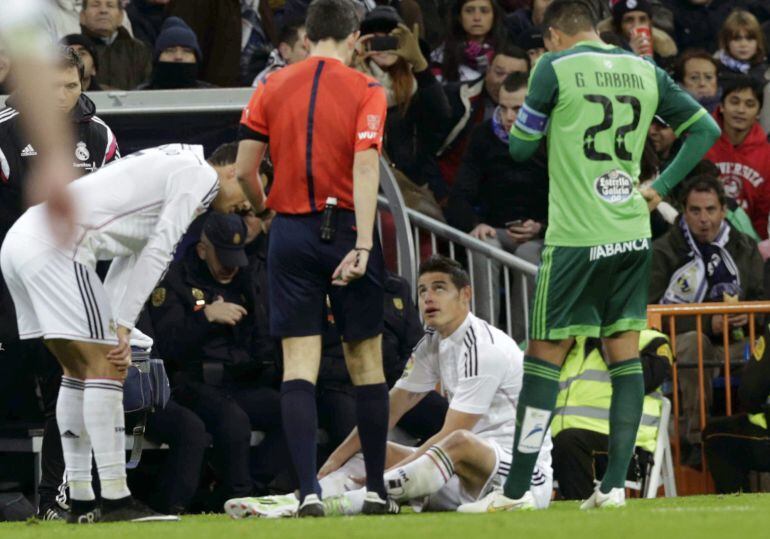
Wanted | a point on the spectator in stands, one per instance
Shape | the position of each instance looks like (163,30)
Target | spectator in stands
(124,62)
(531,41)
(177,59)
(501,202)
(335,391)
(146,18)
(204,316)
(86,49)
(742,48)
(476,31)
(627,17)
(291,49)
(232,33)
(416,100)
(63,18)
(580,439)
(472,103)
(697,22)
(525,18)
(6,86)
(742,152)
(703,259)
(664,141)
(740,444)
(696,71)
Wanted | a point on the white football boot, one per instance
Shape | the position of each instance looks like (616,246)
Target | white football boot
(496,501)
(616,497)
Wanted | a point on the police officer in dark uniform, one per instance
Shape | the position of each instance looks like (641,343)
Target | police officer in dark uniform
(204,316)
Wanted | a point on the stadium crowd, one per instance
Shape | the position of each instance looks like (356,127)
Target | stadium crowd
(455,79)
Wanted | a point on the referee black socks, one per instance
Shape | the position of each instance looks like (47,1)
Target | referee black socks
(300,426)
(372,409)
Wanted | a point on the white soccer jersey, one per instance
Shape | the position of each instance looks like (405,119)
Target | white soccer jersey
(480,370)
(133,211)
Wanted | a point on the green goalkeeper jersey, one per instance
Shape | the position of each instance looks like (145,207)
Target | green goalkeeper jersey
(595,103)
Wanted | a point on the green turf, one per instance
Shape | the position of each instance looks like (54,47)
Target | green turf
(697,517)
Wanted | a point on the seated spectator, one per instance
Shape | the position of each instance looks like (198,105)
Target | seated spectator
(291,49)
(740,444)
(6,85)
(742,48)
(742,152)
(580,439)
(63,18)
(664,141)
(627,17)
(204,314)
(472,103)
(531,41)
(146,18)
(233,33)
(476,30)
(697,22)
(177,59)
(525,18)
(500,201)
(696,71)
(124,62)
(86,49)
(416,100)
(703,259)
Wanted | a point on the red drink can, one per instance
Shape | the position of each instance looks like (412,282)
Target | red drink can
(646,33)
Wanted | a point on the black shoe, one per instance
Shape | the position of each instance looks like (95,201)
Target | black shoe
(311,507)
(374,505)
(80,512)
(130,510)
(52,512)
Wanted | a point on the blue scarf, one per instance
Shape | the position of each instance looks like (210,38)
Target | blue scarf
(497,126)
(732,64)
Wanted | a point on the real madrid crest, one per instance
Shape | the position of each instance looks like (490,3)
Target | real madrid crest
(197,293)
(81,151)
(158,296)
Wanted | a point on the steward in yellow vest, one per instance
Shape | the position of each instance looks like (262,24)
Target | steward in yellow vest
(739,444)
(581,425)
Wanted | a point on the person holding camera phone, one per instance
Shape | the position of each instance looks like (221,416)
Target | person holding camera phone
(501,202)
(391,53)
(324,122)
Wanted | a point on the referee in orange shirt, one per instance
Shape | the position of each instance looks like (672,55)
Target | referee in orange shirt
(324,123)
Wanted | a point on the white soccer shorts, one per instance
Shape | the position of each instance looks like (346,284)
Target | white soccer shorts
(54,297)
(454,494)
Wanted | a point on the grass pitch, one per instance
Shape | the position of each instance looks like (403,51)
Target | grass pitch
(696,517)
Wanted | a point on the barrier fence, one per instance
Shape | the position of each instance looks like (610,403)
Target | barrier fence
(658,316)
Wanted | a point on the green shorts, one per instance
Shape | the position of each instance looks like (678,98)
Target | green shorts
(591,291)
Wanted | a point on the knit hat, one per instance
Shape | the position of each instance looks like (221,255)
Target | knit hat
(176,33)
(382,19)
(83,41)
(531,38)
(621,7)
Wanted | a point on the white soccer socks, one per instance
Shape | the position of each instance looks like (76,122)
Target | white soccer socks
(75,441)
(103,414)
(421,477)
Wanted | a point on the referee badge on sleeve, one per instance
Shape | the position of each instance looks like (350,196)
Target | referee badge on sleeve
(158,296)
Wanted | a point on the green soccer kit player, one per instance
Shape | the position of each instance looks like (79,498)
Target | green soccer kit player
(594,102)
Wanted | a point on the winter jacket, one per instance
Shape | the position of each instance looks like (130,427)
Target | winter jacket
(697,26)
(671,252)
(125,63)
(492,188)
(95,146)
(745,172)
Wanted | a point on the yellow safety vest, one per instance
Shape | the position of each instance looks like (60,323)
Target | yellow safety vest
(585,393)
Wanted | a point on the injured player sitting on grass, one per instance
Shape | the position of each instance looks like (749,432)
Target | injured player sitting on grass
(479,369)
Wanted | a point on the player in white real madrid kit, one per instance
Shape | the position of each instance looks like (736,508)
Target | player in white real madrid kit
(133,212)
(479,369)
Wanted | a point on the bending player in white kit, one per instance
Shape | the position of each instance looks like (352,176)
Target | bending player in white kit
(480,370)
(133,212)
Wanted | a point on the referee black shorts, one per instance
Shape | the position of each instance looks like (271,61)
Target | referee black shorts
(300,268)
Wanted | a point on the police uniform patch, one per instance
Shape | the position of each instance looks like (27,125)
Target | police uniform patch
(158,296)
(237,239)
(197,293)
(759,348)
(664,350)
(398,303)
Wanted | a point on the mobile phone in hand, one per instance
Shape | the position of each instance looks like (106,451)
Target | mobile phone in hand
(517,222)
(383,43)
